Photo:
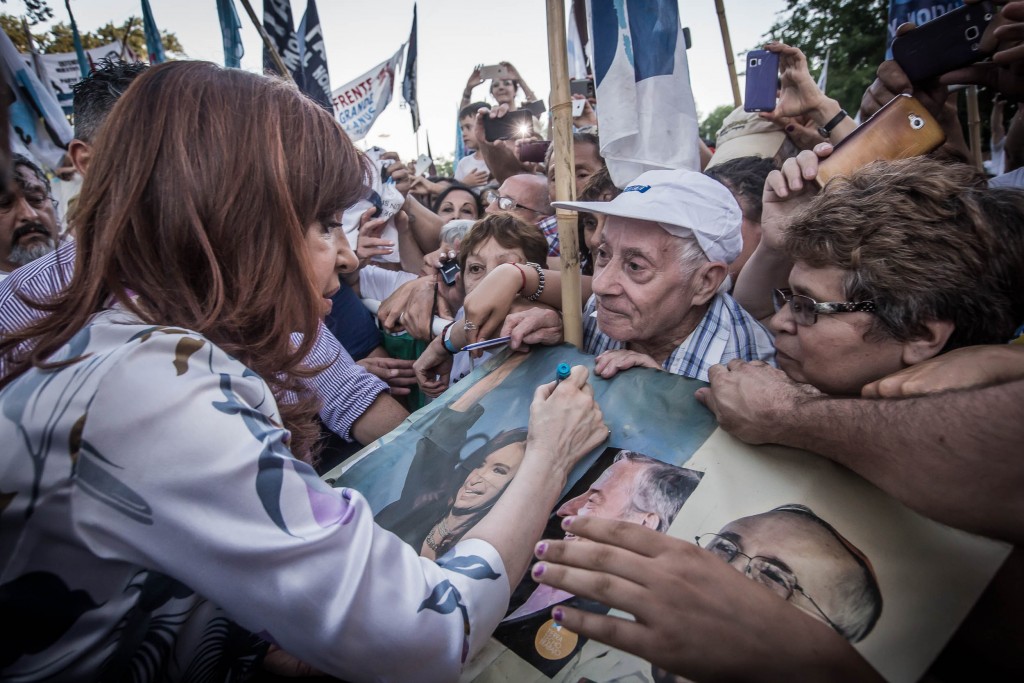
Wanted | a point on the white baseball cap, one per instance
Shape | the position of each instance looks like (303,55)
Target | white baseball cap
(683,203)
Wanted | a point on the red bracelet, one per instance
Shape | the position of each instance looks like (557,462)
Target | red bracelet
(522,274)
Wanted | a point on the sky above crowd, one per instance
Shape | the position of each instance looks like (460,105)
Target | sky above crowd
(454,36)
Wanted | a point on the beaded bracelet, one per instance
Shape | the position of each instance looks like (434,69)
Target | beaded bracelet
(446,339)
(540,281)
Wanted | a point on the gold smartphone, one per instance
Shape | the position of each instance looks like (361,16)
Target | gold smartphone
(901,129)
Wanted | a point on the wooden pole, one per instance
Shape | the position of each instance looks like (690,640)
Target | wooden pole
(269,44)
(565,174)
(729,59)
(127,32)
(974,125)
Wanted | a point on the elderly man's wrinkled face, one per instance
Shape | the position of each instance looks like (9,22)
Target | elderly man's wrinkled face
(28,222)
(644,293)
(836,354)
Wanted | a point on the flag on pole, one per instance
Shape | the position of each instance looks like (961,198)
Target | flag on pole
(154,46)
(277,22)
(432,170)
(316,81)
(76,38)
(41,131)
(823,76)
(230,33)
(648,118)
(409,82)
(460,149)
(358,103)
(574,46)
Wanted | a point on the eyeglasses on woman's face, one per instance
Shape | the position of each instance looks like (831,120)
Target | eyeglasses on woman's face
(806,310)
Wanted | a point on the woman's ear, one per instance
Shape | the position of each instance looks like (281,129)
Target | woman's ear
(930,344)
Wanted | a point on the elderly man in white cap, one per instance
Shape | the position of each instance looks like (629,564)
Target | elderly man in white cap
(658,289)
(659,282)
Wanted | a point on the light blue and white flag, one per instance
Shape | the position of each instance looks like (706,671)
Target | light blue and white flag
(40,129)
(574,47)
(647,116)
(358,103)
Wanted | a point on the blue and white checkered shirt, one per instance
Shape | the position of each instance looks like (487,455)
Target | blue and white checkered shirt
(725,332)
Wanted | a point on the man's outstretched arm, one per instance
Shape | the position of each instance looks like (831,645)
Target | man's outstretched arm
(954,456)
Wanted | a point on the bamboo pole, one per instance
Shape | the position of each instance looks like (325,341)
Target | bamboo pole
(974,125)
(729,59)
(269,44)
(565,174)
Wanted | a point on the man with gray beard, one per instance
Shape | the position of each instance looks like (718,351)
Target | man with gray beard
(28,221)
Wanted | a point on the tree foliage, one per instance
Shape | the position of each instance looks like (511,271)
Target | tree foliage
(445,166)
(708,128)
(58,38)
(36,11)
(854,31)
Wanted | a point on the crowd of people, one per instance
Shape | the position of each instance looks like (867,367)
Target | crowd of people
(176,349)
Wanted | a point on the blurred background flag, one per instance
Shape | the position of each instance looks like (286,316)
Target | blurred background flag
(409,81)
(40,129)
(358,103)
(316,81)
(153,43)
(76,38)
(648,117)
(230,31)
(460,149)
(277,22)
(574,43)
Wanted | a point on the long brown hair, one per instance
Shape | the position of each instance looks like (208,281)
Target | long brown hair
(197,200)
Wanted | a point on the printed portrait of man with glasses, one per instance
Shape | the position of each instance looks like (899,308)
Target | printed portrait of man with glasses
(803,559)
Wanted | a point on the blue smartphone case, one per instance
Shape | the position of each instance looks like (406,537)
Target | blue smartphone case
(762,81)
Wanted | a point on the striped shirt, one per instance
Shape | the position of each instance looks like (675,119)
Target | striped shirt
(345,389)
(725,332)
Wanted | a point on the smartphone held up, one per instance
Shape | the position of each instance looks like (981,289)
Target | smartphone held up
(514,124)
(762,81)
(946,43)
(901,129)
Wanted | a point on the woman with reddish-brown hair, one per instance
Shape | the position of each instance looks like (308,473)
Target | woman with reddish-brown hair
(154,523)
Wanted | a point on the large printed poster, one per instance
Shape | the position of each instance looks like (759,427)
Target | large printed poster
(895,584)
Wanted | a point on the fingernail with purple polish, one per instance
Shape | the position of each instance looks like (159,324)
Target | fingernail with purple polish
(538,570)
(557,615)
(567,522)
(541,548)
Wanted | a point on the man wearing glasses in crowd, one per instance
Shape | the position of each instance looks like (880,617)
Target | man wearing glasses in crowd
(525,196)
